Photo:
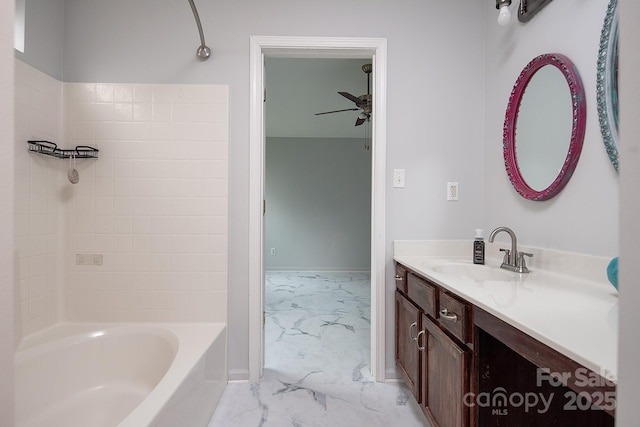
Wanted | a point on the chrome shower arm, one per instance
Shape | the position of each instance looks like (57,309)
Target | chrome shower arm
(198,23)
(203,51)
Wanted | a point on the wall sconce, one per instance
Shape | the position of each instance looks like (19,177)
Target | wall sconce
(504,17)
(526,11)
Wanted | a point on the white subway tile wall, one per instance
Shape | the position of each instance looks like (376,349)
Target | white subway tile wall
(154,205)
(38,211)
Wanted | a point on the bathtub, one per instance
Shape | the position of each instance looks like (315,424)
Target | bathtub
(125,375)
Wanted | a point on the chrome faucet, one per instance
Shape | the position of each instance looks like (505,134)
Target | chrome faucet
(513,260)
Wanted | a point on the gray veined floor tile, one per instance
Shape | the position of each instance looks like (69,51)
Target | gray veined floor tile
(317,355)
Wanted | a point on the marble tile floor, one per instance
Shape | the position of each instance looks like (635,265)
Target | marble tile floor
(317,353)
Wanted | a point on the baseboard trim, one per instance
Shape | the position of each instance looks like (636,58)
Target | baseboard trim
(238,375)
(392,375)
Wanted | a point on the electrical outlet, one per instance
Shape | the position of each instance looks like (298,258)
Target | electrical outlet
(273,251)
(452,191)
(398,178)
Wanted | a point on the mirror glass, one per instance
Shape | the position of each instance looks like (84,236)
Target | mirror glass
(607,83)
(544,127)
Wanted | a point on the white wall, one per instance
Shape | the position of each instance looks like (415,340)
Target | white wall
(436,57)
(629,339)
(318,194)
(44,36)
(318,173)
(7,267)
(584,216)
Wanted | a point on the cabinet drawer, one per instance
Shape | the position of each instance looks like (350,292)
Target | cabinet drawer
(454,317)
(401,278)
(422,293)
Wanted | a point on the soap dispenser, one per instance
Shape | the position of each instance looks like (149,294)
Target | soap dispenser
(478,247)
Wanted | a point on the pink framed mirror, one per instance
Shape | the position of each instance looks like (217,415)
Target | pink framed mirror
(544,127)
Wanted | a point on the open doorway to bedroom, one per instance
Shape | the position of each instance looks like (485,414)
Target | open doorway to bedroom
(317,222)
(262,47)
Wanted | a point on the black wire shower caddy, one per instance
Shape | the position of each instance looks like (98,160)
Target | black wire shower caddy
(51,149)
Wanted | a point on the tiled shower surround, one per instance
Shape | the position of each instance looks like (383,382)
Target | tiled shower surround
(38,208)
(154,204)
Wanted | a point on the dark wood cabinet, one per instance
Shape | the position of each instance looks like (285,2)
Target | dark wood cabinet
(423,293)
(445,378)
(451,352)
(431,351)
(455,317)
(401,278)
(509,359)
(407,354)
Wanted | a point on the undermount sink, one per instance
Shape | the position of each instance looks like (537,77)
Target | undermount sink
(475,272)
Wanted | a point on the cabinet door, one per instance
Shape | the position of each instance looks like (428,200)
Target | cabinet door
(407,353)
(445,377)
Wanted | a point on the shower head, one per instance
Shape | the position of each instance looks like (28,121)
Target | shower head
(203,51)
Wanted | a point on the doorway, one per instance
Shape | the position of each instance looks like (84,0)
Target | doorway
(318,48)
(318,219)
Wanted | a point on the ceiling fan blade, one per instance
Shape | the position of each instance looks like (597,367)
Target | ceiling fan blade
(359,102)
(337,111)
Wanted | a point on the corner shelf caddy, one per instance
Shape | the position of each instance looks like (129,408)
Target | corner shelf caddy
(51,149)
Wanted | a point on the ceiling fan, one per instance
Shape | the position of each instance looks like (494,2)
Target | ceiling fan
(363,102)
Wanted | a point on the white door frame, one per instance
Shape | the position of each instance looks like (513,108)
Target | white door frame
(319,47)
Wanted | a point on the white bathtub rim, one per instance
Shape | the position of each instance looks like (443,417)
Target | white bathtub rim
(52,339)
(194,339)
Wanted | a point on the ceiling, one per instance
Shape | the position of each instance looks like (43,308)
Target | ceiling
(297,88)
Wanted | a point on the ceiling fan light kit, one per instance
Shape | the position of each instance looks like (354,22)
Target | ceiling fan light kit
(363,102)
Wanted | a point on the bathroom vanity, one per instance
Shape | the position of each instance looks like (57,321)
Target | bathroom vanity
(481,346)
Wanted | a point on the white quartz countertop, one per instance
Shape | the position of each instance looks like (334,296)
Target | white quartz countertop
(571,309)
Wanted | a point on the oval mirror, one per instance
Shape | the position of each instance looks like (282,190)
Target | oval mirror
(607,83)
(544,127)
